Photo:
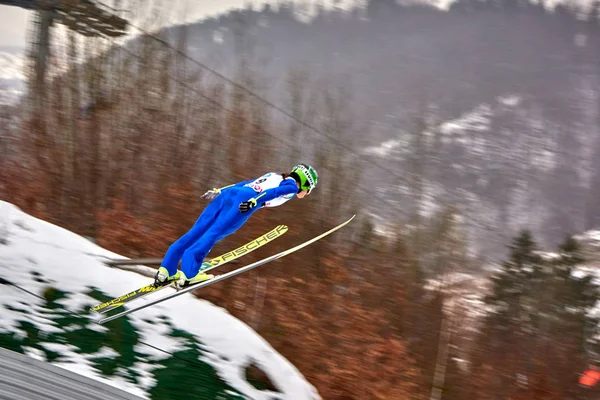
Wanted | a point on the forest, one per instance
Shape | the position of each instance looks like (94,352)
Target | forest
(440,287)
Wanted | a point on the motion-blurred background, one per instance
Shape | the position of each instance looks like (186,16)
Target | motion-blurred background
(465,135)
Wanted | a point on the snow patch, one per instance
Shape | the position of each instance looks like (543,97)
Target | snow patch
(593,236)
(476,120)
(384,149)
(509,101)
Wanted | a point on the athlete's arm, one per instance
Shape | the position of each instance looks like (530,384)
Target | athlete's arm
(211,194)
(287,186)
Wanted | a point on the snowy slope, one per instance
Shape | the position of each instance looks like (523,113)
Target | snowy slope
(37,255)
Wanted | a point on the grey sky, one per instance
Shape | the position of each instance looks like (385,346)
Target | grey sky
(13,20)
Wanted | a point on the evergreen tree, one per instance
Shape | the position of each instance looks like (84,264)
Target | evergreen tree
(534,340)
(507,328)
(563,316)
(512,286)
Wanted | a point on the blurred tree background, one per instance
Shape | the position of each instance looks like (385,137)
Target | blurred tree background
(131,136)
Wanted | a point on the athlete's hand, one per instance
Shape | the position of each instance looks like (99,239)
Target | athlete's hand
(246,206)
(211,194)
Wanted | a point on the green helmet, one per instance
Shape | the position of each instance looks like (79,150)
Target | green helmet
(307,177)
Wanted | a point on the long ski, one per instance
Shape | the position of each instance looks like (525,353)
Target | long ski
(206,266)
(228,275)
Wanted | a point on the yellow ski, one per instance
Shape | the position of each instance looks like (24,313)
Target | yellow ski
(206,266)
(228,275)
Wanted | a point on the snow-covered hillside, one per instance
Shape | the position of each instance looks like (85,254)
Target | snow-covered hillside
(67,271)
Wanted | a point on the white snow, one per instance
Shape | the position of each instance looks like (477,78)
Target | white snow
(510,100)
(218,36)
(548,255)
(35,353)
(12,66)
(74,264)
(384,149)
(593,236)
(477,119)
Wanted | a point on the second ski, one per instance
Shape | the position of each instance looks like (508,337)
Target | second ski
(206,266)
(227,275)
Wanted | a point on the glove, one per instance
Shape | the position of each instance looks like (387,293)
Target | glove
(211,194)
(246,206)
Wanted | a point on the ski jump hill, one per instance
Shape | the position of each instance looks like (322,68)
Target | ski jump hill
(50,278)
(25,378)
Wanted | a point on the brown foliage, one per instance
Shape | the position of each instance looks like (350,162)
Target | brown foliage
(120,231)
(347,347)
(26,188)
(130,171)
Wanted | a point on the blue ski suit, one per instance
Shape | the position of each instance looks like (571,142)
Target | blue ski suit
(222,217)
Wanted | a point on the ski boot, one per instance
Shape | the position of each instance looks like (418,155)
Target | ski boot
(162,277)
(184,281)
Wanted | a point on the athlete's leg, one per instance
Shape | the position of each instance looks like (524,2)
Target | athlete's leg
(230,220)
(203,223)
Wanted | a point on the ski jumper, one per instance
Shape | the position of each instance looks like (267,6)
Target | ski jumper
(222,217)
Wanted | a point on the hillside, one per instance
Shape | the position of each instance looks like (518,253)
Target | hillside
(505,95)
(148,354)
(528,76)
